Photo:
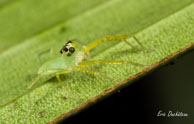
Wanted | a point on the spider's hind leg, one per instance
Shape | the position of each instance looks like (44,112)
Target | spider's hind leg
(137,41)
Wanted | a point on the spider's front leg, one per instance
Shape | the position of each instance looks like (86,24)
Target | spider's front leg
(109,62)
(59,79)
(112,38)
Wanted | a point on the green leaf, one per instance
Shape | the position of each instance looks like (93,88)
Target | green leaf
(23,19)
(4,2)
(165,27)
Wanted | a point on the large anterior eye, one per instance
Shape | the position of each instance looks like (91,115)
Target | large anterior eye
(71,50)
(65,49)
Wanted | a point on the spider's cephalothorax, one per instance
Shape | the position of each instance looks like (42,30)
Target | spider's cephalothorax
(68,49)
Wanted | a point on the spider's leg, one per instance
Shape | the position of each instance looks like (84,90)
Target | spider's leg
(34,82)
(59,79)
(48,51)
(37,78)
(29,88)
(94,73)
(140,44)
(94,62)
(111,38)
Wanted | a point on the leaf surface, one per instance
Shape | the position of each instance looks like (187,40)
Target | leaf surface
(165,27)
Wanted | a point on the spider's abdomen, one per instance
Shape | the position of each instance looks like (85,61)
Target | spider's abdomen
(53,66)
(61,63)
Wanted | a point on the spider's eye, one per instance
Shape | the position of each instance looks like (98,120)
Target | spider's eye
(61,51)
(71,50)
(65,49)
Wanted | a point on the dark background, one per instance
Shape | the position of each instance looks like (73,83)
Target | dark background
(170,88)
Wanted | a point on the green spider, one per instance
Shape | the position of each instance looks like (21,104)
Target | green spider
(75,57)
